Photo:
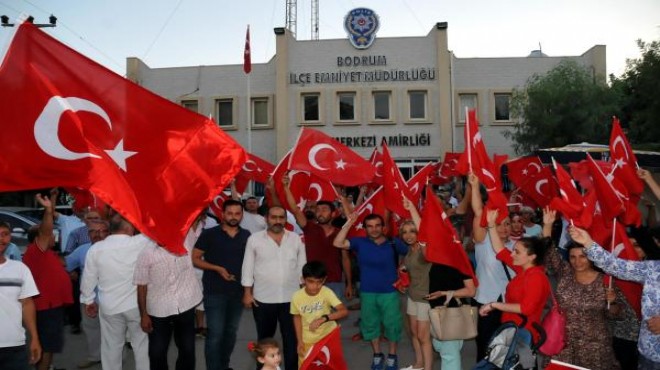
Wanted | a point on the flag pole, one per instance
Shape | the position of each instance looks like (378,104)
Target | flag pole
(249,110)
(467,145)
(612,251)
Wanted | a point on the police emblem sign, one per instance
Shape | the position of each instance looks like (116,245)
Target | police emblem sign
(361,24)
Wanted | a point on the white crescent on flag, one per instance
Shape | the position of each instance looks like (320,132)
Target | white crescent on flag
(311,157)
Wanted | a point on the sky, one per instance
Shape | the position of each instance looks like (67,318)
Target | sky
(173,33)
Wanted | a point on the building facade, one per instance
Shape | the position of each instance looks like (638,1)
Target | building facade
(409,91)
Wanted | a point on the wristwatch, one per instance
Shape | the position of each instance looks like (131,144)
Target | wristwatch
(326,317)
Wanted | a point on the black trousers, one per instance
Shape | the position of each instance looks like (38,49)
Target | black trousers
(625,352)
(486,326)
(14,358)
(266,317)
(183,328)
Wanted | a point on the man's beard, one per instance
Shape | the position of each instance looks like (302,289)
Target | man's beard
(310,215)
(276,228)
(232,223)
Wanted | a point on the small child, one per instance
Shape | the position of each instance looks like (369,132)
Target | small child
(267,353)
(312,308)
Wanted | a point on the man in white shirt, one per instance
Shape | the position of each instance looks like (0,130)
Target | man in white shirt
(17,288)
(252,221)
(109,266)
(531,229)
(271,273)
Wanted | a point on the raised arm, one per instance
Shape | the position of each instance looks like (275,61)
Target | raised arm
(270,188)
(301,220)
(47,223)
(341,240)
(650,181)
(414,213)
(623,269)
(495,241)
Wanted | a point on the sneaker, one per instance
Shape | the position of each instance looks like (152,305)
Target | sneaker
(412,367)
(377,363)
(392,363)
(88,363)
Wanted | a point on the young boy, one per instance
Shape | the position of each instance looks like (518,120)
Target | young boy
(312,308)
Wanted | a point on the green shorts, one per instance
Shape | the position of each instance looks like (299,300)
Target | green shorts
(377,309)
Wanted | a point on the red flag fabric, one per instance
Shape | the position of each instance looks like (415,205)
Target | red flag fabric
(442,243)
(418,181)
(394,186)
(498,161)
(326,354)
(610,203)
(558,365)
(85,199)
(247,53)
(448,169)
(320,189)
(542,187)
(376,160)
(570,203)
(624,249)
(298,183)
(521,169)
(475,159)
(329,159)
(375,203)
(254,169)
(624,160)
(70,122)
(216,204)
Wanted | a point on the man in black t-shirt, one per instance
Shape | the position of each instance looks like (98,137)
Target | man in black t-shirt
(219,252)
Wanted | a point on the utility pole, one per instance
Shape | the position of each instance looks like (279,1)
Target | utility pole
(4,21)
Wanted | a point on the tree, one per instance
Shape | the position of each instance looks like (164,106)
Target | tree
(639,93)
(565,106)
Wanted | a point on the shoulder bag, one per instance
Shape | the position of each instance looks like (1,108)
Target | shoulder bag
(453,323)
(554,324)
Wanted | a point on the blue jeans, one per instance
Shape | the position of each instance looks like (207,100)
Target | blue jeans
(450,353)
(223,315)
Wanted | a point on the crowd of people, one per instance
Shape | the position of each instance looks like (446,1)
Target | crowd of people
(130,289)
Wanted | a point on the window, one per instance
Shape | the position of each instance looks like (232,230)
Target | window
(468,101)
(502,104)
(224,112)
(192,105)
(417,105)
(311,111)
(346,106)
(382,105)
(260,109)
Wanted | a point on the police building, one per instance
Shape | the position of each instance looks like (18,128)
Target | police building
(409,91)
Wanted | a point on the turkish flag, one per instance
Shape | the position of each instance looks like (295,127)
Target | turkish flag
(85,199)
(441,239)
(558,365)
(254,169)
(448,169)
(498,161)
(216,204)
(624,249)
(541,188)
(475,159)
(298,183)
(320,189)
(247,53)
(329,159)
(376,160)
(375,203)
(521,169)
(624,161)
(67,121)
(394,186)
(570,203)
(609,199)
(326,354)
(421,178)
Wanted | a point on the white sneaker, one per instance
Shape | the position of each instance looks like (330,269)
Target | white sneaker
(412,368)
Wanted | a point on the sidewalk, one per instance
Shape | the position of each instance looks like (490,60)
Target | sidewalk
(357,354)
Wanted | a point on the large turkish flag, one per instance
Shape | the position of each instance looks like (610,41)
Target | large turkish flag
(67,121)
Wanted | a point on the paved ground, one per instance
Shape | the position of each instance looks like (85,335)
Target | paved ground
(357,354)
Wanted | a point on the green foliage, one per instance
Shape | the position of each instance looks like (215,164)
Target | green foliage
(639,92)
(565,106)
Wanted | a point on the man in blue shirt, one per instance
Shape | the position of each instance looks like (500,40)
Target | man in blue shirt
(377,257)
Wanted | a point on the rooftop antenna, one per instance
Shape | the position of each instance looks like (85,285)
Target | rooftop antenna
(292,16)
(315,19)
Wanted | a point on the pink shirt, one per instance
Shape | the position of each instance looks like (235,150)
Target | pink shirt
(172,286)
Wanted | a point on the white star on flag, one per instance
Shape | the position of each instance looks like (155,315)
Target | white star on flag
(341,164)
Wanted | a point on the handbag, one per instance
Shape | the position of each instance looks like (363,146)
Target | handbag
(453,323)
(554,324)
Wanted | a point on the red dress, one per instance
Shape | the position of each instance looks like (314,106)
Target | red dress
(530,288)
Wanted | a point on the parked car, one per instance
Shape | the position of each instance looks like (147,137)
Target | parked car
(20,221)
